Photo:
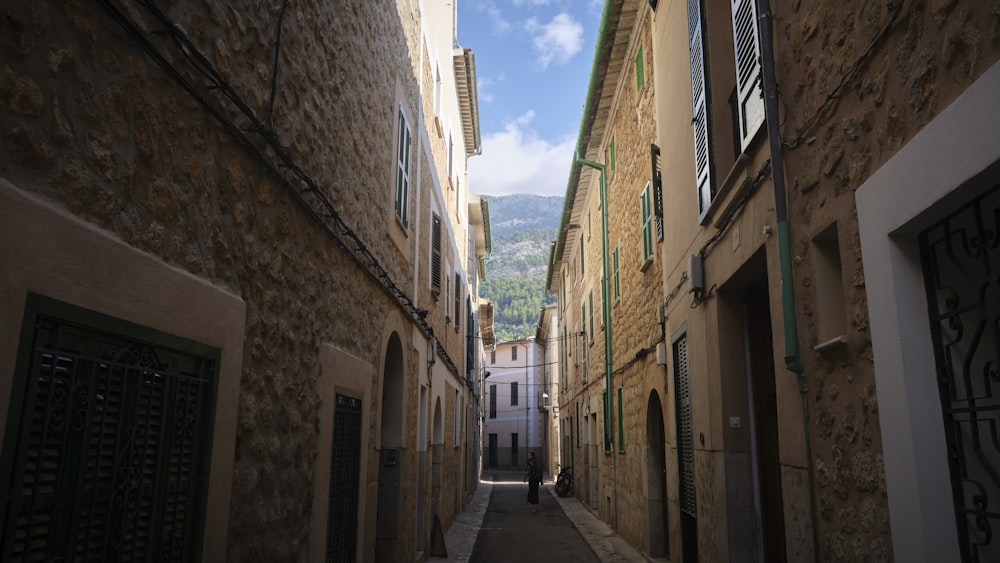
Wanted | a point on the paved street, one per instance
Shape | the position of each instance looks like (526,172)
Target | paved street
(498,526)
(511,532)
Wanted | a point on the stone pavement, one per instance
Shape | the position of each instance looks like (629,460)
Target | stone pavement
(460,538)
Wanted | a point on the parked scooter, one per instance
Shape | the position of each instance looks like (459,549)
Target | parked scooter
(564,482)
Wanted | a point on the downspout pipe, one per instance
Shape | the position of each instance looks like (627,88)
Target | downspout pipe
(605,306)
(793,362)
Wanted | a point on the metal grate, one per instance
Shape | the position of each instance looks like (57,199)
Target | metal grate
(345,477)
(961,262)
(685,438)
(106,452)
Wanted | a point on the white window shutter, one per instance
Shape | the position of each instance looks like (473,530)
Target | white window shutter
(746,40)
(703,173)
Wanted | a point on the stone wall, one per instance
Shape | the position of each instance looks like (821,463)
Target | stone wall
(858,80)
(89,121)
(635,316)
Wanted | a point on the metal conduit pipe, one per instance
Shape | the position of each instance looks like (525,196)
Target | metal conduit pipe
(793,362)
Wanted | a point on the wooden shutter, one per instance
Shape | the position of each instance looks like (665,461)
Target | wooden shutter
(685,432)
(614,256)
(458,299)
(647,226)
(435,253)
(402,167)
(657,180)
(699,103)
(748,78)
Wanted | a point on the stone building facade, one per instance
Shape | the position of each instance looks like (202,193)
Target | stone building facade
(610,332)
(890,139)
(239,292)
(828,179)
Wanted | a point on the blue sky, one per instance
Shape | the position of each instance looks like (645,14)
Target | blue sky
(533,60)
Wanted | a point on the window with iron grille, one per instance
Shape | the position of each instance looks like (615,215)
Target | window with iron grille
(107,444)
(402,167)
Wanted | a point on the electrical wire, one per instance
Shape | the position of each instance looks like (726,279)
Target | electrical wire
(896,6)
(311,199)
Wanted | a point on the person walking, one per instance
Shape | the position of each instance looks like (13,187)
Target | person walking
(533,476)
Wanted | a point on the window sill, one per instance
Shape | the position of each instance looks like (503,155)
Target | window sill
(402,226)
(835,342)
(645,265)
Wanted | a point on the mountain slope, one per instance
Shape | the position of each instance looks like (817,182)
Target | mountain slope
(523,228)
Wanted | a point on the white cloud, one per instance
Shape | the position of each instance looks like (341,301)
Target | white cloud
(516,160)
(535,2)
(484,87)
(500,25)
(557,40)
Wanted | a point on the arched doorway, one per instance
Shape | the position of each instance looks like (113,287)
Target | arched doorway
(437,451)
(656,478)
(391,407)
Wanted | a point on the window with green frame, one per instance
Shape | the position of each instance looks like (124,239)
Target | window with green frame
(621,423)
(647,224)
(591,297)
(640,70)
(583,253)
(611,154)
(614,259)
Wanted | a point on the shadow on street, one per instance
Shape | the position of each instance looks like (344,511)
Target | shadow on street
(511,532)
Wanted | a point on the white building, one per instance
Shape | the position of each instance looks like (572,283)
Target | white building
(514,389)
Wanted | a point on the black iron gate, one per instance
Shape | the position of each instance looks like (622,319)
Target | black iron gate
(961,262)
(345,477)
(106,450)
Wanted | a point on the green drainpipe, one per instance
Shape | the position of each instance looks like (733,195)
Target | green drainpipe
(792,360)
(605,306)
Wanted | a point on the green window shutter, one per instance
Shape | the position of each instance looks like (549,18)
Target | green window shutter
(591,297)
(611,154)
(614,256)
(703,176)
(621,423)
(748,72)
(647,226)
(640,70)
(583,255)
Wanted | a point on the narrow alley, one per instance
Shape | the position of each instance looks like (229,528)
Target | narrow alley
(498,526)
